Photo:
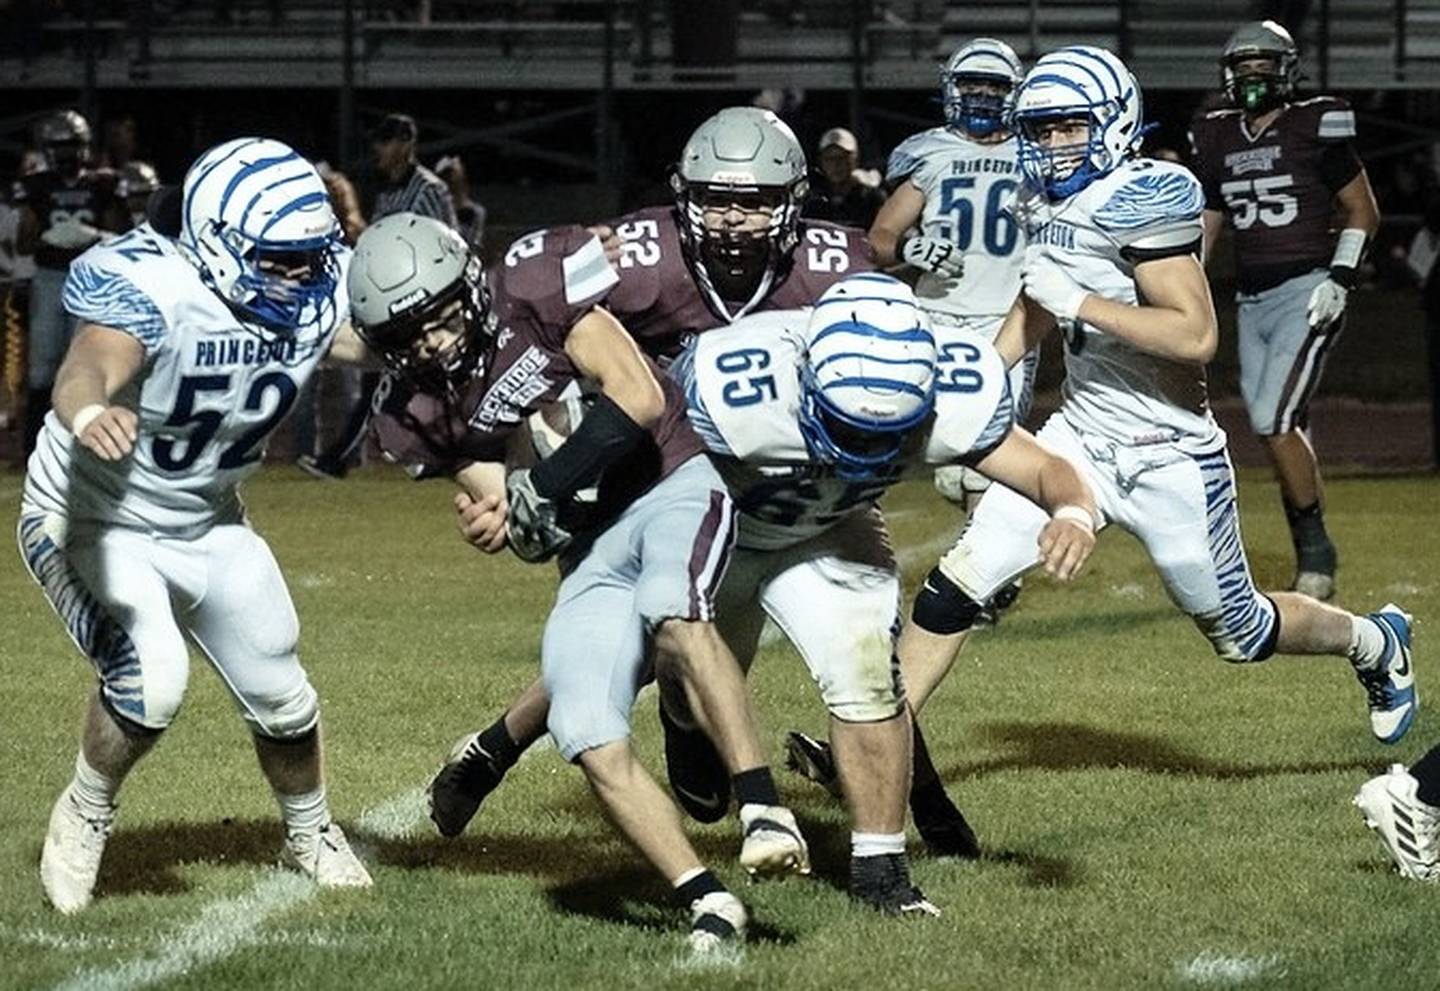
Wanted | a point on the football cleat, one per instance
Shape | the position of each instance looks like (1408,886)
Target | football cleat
(883,883)
(944,830)
(813,760)
(70,859)
(717,921)
(325,855)
(773,845)
(1390,685)
(458,788)
(1409,828)
(698,777)
(1005,597)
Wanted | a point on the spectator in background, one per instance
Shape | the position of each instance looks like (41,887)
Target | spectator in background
(1424,251)
(406,185)
(839,191)
(16,270)
(469,215)
(343,200)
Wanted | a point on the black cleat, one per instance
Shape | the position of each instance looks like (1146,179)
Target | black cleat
(1005,597)
(883,884)
(698,777)
(813,760)
(461,785)
(942,826)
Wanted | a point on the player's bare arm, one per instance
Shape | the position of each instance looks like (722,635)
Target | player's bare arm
(1213,220)
(1356,203)
(900,213)
(1025,326)
(101,361)
(1175,321)
(604,352)
(349,348)
(480,505)
(1024,464)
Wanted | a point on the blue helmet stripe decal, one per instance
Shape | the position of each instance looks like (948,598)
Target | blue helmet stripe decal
(246,172)
(245,215)
(918,335)
(200,179)
(308,200)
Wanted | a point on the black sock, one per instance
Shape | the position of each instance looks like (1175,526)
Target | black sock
(756,787)
(925,776)
(1426,770)
(1307,525)
(699,886)
(503,749)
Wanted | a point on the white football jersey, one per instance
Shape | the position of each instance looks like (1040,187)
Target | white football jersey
(1144,208)
(211,392)
(742,386)
(970,193)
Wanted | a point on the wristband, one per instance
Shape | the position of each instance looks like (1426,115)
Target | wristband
(84,417)
(1345,263)
(1075,514)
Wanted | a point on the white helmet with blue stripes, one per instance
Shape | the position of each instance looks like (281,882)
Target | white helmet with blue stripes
(256,222)
(867,376)
(1080,82)
(976,85)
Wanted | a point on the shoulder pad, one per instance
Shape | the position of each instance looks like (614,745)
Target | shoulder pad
(908,157)
(1162,194)
(742,390)
(973,406)
(96,293)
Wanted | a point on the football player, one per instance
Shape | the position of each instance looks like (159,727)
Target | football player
(810,416)
(1281,169)
(469,360)
(192,344)
(733,243)
(1112,257)
(950,214)
(64,209)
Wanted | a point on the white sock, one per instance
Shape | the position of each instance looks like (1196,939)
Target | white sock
(94,792)
(1367,643)
(305,812)
(876,844)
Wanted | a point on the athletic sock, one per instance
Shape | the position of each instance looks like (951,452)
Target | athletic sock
(305,812)
(94,792)
(1367,643)
(756,787)
(501,747)
(694,884)
(1426,770)
(876,844)
(924,776)
(1313,547)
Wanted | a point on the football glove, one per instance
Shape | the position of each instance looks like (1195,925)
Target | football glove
(1050,286)
(535,532)
(1327,306)
(933,255)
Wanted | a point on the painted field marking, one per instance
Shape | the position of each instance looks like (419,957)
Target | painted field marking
(1220,969)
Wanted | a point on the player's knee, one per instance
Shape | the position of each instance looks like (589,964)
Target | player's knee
(863,684)
(942,608)
(284,715)
(1242,633)
(581,725)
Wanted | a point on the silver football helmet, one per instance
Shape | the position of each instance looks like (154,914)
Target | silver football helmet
(64,140)
(747,157)
(418,299)
(1254,89)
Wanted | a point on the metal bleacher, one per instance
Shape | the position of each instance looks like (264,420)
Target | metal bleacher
(627,44)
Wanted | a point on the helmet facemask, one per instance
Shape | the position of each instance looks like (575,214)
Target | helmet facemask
(976,103)
(1061,168)
(1256,82)
(857,450)
(281,286)
(436,346)
(737,234)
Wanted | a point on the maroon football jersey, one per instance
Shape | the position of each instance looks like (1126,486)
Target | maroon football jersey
(661,304)
(548,280)
(90,198)
(1278,187)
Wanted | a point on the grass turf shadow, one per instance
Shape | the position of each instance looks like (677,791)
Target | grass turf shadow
(143,859)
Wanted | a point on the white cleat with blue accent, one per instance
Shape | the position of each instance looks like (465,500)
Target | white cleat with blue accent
(1390,686)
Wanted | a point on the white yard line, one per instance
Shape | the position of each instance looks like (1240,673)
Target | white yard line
(231,924)
(1214,969)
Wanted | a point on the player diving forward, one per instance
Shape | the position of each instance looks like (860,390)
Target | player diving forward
(191,348)
(470,359)
(957,184)
(810,417)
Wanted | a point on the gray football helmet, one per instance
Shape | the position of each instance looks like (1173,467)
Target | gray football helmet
(1252,90)
(741,155)
(138,178)
(64,140)
(412,275)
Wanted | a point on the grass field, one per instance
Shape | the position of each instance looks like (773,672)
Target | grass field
(1152,816)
